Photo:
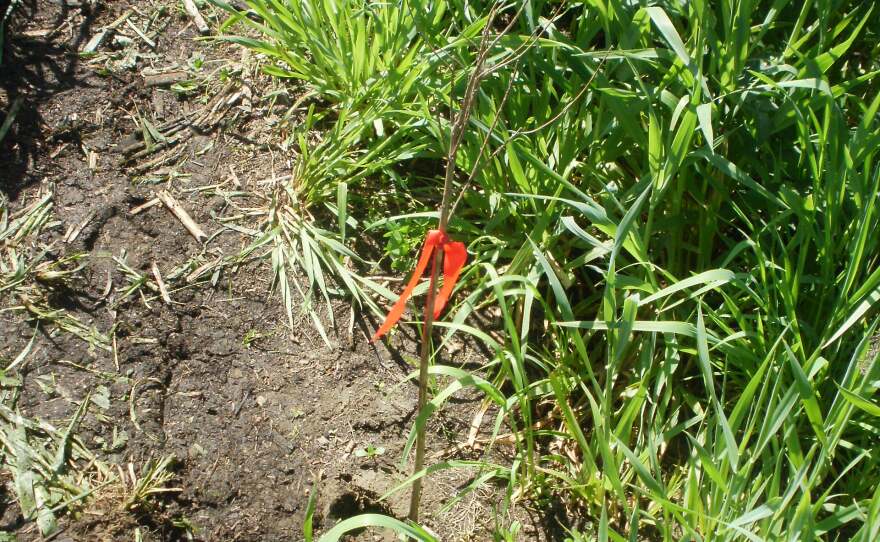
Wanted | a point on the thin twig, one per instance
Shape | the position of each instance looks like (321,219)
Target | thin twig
(478,162)
(196,16)
(180,213)
(163,290)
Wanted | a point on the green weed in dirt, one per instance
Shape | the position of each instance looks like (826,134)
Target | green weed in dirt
(30,274)
(49,468)
(672,211)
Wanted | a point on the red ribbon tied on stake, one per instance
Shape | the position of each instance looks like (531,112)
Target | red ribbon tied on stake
(454,258)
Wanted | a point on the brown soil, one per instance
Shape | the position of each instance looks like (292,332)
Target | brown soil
(255,415)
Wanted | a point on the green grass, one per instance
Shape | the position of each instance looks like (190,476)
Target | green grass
(50,469)
(672,208)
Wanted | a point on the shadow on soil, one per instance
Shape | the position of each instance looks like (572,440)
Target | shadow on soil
(35,67)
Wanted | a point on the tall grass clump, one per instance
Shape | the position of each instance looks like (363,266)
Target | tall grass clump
(672,211)
(369,80)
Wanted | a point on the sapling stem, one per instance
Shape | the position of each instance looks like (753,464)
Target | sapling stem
(458,126)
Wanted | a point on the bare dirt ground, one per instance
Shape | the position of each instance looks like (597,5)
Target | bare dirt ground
(252,414)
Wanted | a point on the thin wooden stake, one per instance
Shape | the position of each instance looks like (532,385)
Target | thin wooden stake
(458,128)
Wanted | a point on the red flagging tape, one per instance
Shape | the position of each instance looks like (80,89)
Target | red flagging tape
(454,258)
